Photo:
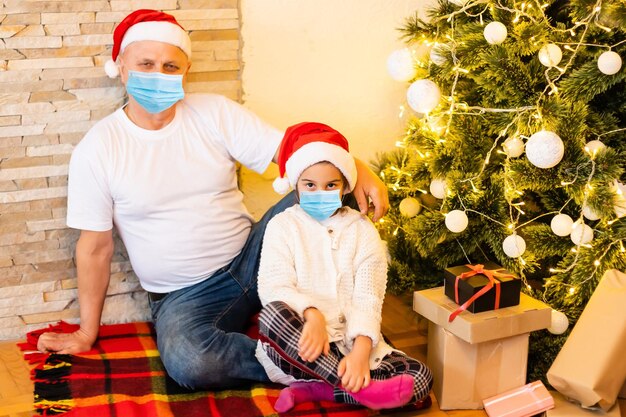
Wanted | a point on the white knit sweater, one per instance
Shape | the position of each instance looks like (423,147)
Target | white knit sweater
(338,266)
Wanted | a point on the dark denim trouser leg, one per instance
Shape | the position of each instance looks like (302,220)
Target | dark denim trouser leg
(199,328)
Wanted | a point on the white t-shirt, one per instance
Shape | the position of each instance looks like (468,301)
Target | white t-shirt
(172,193)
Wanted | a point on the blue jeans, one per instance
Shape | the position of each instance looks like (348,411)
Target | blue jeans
(199,328)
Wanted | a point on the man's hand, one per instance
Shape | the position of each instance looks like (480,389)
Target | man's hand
(314,339)
(370,187)
(66,343)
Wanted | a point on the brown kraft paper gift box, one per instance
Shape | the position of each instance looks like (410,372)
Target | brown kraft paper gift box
(510,287)
(566,408)
(477,355)
(591,366)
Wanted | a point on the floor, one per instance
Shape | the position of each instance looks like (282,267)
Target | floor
(404,328)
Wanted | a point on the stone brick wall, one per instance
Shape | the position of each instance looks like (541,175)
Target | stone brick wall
(52,90)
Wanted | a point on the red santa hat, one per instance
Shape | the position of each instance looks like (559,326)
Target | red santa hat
(146,25)
(306,144)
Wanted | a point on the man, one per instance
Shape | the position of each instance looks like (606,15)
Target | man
(162,169)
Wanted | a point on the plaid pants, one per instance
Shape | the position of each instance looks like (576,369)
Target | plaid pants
(280,328)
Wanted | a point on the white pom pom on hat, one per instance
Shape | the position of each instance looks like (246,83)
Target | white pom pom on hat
(111,69)
(146,25)
(281,185)
(306,144)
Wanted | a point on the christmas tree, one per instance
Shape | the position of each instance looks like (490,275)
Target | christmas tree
(514,150)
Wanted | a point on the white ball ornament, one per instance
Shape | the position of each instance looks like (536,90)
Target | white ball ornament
(514,246)
(561,224)
(459,3)
(456,221)
(581,233)
(593,147)
(544,149)
(439,54)
(423,96)
(401,65)
(559,323)
(620,201)
(590,214)
(495,33)
(609,63)
(550,55)
(513,147)
(438,188)
(410,207)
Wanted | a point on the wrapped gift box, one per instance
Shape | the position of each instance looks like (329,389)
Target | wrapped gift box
(525,401)
(567,408)
(468,287)
(591,366)
(477,355)
(529,315)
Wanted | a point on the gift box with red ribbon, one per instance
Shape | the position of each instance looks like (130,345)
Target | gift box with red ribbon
(481,287)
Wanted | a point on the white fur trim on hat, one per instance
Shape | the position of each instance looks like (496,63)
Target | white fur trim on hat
(161,31)
(111,69)
(315,152)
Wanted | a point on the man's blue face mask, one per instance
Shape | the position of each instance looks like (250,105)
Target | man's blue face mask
(320,204)
(155,91)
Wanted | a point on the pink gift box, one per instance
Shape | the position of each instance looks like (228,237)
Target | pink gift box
(524,401)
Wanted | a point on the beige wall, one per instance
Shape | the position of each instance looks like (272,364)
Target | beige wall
(325,60)
(52,89)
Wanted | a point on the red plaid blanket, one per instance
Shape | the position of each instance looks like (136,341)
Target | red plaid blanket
(123,376)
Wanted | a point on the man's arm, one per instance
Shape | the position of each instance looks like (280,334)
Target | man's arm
(94,252)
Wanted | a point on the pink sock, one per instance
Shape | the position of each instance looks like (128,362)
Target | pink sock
(388,393)
(300,392)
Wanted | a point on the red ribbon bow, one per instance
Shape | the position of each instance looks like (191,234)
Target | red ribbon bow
(475,270)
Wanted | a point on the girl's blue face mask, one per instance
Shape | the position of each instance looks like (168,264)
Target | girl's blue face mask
(155,91)
(320,204)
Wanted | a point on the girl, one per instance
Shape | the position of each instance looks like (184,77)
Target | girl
(322,282)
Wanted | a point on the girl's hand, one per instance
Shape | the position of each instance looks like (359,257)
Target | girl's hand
(314,339)
(354,368)
(354,371)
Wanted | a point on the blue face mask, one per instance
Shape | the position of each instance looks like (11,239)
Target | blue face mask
(320,204)
(155,91)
